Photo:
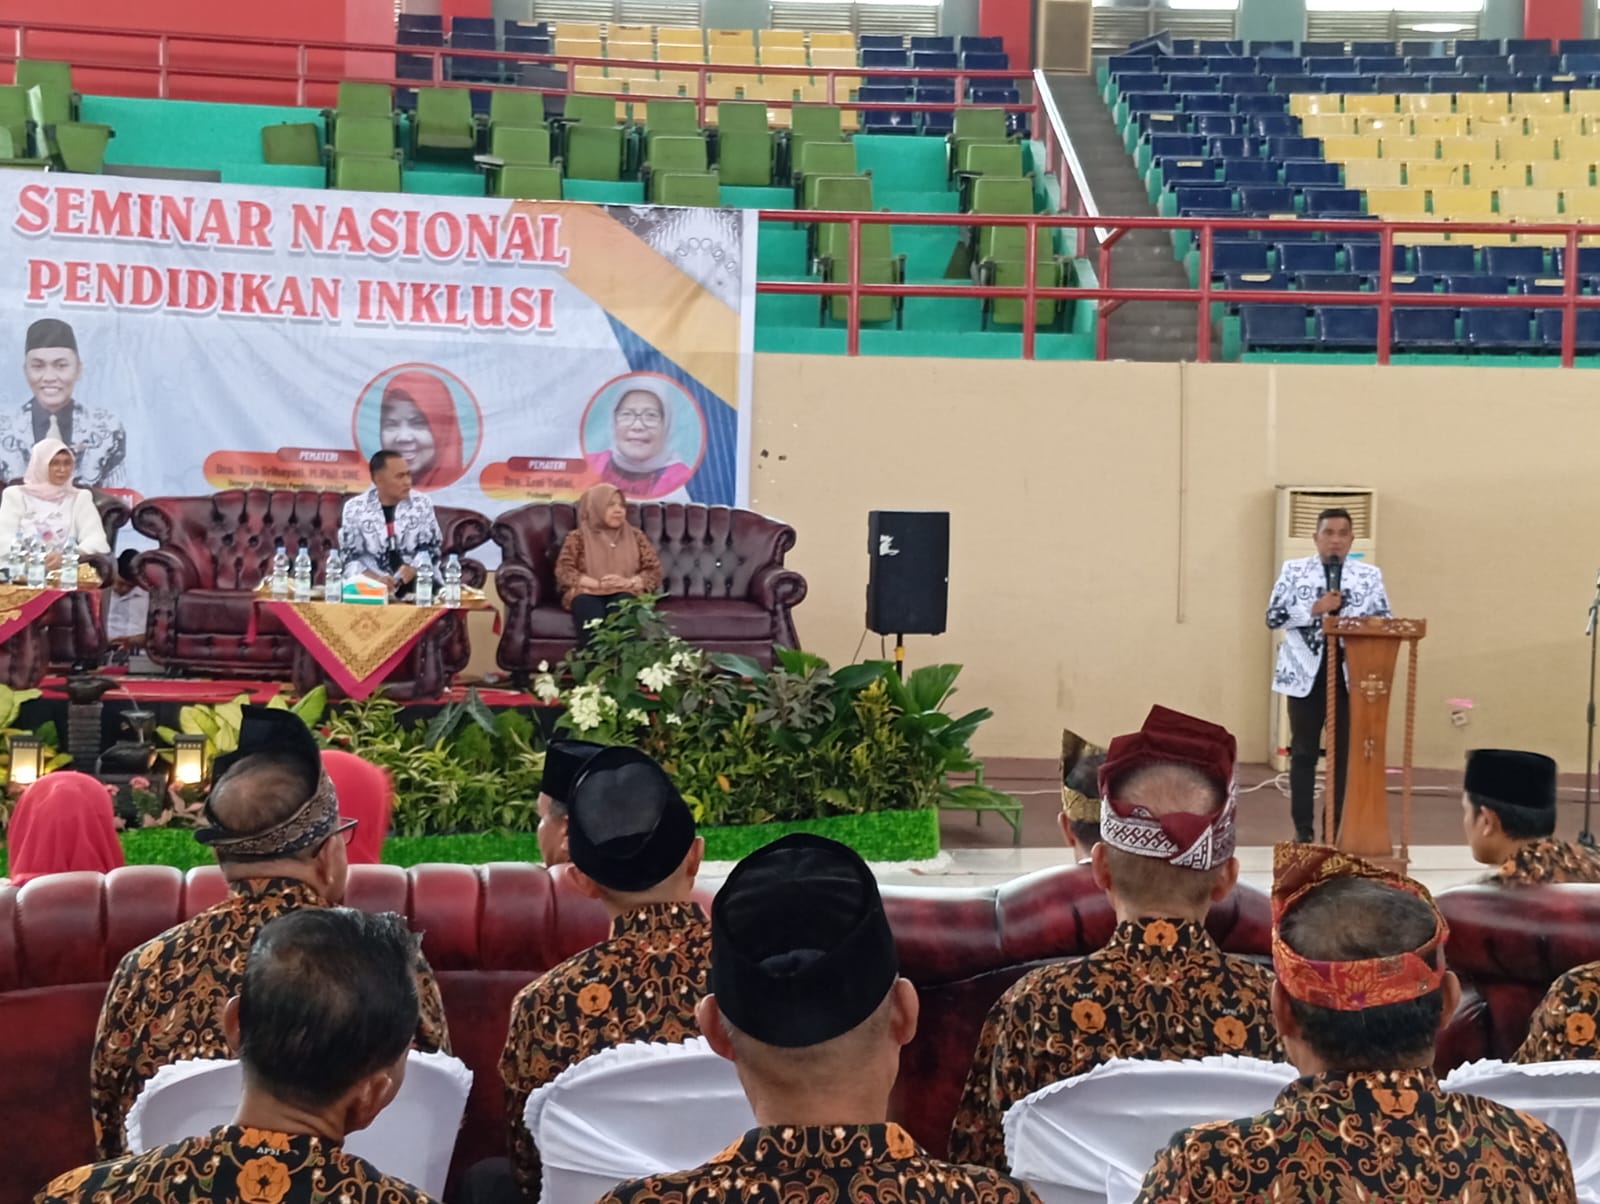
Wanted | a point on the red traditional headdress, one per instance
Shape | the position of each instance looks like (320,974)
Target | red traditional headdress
(1197,842)
(1348,986)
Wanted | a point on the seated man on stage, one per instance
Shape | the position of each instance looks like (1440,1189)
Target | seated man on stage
(273,820)
(1509,813)
(809,1006)
(632,842)
(1161,988)
(322,1023)
(1361,994)
(1307,590)
(386,530)
(1080,794)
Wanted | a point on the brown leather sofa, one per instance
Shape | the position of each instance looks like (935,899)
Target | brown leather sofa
(215,549)
(489,929)
(727,589)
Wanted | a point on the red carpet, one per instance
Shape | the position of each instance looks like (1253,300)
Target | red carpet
(215,690)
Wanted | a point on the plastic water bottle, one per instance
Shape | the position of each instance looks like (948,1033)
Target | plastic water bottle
(17,562)
(452,580)
(36,573)
(69,563)
(302,574)
(333,577)
(424,579)
(280,572)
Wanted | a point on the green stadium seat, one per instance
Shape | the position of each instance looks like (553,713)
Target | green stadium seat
(818,159)
(997,160)
(673,117)
(808,123)
(79,146)
(11,160)
(1050,273)
(16,118)
(837,193)
(512,148)
(744,144)
(591,110)
(367,173)
(975,125)
(1002,196)
(372,137)
(669,153)
(361,100)
(54,81)
(291,143)
(513,109)
(695,188)
(594,153)
(879,265)
(443,125)
(527,183)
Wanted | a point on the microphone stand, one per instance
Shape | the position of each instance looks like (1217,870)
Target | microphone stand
(1586,837)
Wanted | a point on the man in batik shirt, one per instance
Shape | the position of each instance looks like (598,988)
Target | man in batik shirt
(1161,988)
(273,821)
(1508,810)
(1564,1028)
(323,1022)
(1361,994)
(633,846)
(808,1002)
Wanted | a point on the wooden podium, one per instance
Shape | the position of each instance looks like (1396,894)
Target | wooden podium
(1370,651)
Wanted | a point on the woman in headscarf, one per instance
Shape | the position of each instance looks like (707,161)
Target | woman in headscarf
(604,559)
(63,822)
(418,420)
(641,462)
(366,793)
(48,507)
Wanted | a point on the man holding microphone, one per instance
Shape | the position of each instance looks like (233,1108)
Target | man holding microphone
(1306,590)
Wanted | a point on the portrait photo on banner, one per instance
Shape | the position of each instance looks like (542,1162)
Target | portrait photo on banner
(428,415)
(644,433)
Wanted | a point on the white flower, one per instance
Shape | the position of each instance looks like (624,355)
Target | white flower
(635,715)
(688,659)
(592,625)
(584,707)
(656,677)
(544,666)
(673,718)
(544,688)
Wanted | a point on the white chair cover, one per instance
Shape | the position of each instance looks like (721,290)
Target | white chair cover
(637,1109)
(411,1140)
(1090,1139)
(1565,1095)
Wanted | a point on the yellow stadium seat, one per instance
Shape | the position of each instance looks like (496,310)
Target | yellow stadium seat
(1585,100)
(1581,205)
(1467,149)
(1497,125)
(1463,203)
(1374,105)
(731,37)
(1439,125)
(1584,148)
(829,39)
(1349,146)
(791,38)
(724,87)
(1435,173)
(1532,104)
(651,88)
(1409,148)
(739,56)
(1391,125)
(1326,125)
(589,79)
(783,56)
(1426,237)
(1427,102)
(1395,203)
(583,30)
(1557,125)
(677,36)
(689,81)
(630,33)
(832,56)
(1374,173)
(1530,205)
(579,48)
(1498,175)
(1303,103)
(1567,173)
(1529,148)
(630,50)
(1504,239)
(679,52)
(814,92)
(1483,104)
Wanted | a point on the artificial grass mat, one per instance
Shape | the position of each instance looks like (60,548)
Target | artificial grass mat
(877,836)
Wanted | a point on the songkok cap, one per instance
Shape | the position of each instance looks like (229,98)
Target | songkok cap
(1184,839)
(563,762)
(1348,986)
(1079,761)
(284,735)
(50,332)
(628,828)
(801,950)
(1517,779)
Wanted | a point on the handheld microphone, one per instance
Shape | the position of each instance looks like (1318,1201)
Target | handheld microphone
(1333,572)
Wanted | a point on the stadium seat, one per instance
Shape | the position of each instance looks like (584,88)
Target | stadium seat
(818,161)
(986,159)
(1452,259)
(16,117)
(527,183)
(1497,175)
(1275,328)
(1266,199)
(594,152)
(669,153)
(1548,323)
(1347,327)
(695,189)
(1373,173)
(1332,202)
(360,100)
(1530,205)
(58,102)
(1414,149)
(1348,147)
(879,265)
(1477,284)
(370,137)
(290,143)
(510,107)
(1296,257)
(443,124)
(1490,104)
(367,173)
(1435,173)
(1243,256)
(1330,282)
(744,144)
(1397,203)
(1498,330)
(1429,329)
(1259,171)
(975,125)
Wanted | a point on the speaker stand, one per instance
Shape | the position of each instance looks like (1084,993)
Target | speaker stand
(900,656)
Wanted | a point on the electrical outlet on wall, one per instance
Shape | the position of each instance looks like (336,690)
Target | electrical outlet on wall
(1460,711)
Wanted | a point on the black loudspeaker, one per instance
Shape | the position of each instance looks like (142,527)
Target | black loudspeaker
(908,576)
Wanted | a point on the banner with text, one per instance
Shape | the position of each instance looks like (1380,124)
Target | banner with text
(189,337)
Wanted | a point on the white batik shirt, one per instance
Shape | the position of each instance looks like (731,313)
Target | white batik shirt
(364,536)
(1300,583)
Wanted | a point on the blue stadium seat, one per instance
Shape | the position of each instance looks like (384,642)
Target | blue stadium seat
(1548,323)
(1479,283)
(419,37)
(1380,64)
(1430,65)
(1514,261)
(1579,46)
(1198,196)
(1291,84)
(1262,198)
(1116,64)
(1303,172)
(1250,85)
(1454,83)
(1442,258)
(1322,49)
(1535,64)
(1332,202)
(872,56)
(880,94)
(1188,171)
(1205,102)
(1581,64)
(1257,281)
(1347,327)
(881,41)
(1352,83)
(1588,261)
(1229,46)
(429,21)
(1296,257)
(989,94)
(1194,83)
(1261,102)
(1401,83)
(1369,49)
(1498,330)
(1187,146)
(1330,282)
(933,60)
(1221,125)
(1413,283)
(1140,81)
(1294,148)
(1231,147)
(1249,171)
(1270,327)
(1484,64)
(923,41)
(986,60)
(1227,64)
(1540,286)
(1180,64)
(1480,46)
(533,29)
(1329,66)
(1285,49)
(1425,329)
(472,25)
(1243,256)
(527,43)
(1528,46)
(1421,47)
(1276,125)
(1151,102)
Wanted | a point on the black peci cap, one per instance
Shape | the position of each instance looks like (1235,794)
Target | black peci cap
(1516,779)
(628,828)
(563,762)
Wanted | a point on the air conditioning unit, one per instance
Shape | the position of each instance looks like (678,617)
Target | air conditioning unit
(1298,507)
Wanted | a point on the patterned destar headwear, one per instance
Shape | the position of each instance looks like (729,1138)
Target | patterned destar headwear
(1075,750)
(1194,842)
(1353,986)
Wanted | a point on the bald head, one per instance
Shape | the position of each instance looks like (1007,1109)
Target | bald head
(259,792)
(1149,884)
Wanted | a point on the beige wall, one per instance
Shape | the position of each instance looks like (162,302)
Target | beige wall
(1112,529)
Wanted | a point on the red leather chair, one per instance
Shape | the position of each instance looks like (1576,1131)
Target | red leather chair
(214,550)
(487,931)
(722,572)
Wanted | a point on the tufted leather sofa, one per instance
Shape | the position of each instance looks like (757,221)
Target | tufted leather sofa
(72,631)
(723,574)
(214,550)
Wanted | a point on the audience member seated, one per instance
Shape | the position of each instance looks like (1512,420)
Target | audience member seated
(388,529)
(808,1003)
(49,508)
(1361,993)
(1080,794)
(604,559)
(1566,1025)
(322,1023)
(127,610)
(366,798)
(1509,813)
(1161,987)
(273,820)
(63,822)
(563,762)
(633,846)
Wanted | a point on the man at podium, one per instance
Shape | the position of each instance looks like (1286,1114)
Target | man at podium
(1307,589)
